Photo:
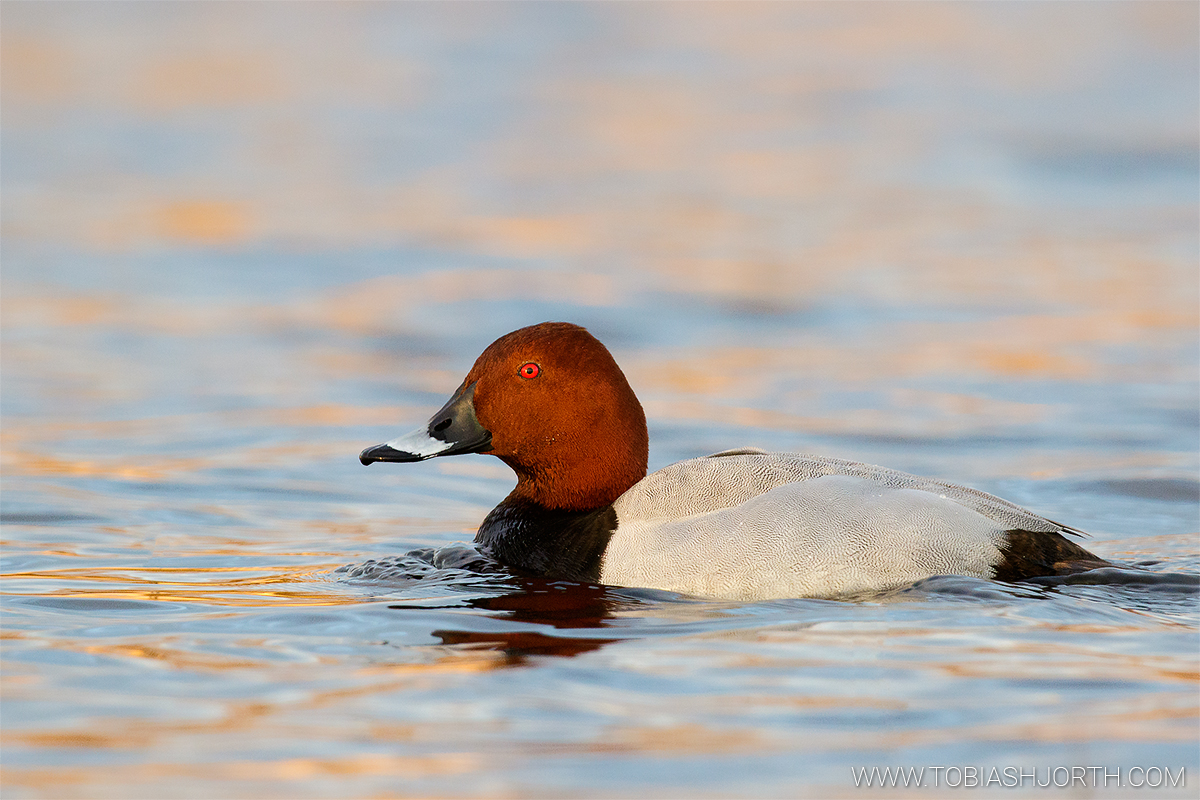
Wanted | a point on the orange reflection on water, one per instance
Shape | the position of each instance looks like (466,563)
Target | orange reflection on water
(221,590)
(205,221)
(286,778)
(685,738)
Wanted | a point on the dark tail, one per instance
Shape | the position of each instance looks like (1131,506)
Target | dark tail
(1028,554)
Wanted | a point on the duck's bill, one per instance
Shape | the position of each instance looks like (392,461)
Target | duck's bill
(452,430)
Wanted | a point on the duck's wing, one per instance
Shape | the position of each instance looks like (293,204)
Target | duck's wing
(755,525)
(704,485)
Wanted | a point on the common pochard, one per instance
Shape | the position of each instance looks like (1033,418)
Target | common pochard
(550,401)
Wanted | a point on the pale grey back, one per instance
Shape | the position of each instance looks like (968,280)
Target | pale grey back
(749,524)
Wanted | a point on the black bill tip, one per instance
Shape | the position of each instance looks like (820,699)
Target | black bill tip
(385,452)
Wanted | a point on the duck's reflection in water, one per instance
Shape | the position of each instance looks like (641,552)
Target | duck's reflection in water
(559,607)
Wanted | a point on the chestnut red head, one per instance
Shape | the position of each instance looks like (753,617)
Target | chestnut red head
(550,401)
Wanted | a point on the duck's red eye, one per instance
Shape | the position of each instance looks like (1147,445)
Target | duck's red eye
(529,370)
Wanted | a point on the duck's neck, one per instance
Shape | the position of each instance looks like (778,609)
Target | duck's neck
(557,522)
(545,542)
(581,483)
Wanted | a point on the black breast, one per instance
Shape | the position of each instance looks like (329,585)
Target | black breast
(548,543)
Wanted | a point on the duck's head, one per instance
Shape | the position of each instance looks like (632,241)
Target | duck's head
(549,401)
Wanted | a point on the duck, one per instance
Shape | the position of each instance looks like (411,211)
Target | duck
(550,401)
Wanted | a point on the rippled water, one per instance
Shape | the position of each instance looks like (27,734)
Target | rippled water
(242,242)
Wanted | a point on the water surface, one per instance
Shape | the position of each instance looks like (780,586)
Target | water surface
(242,242)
